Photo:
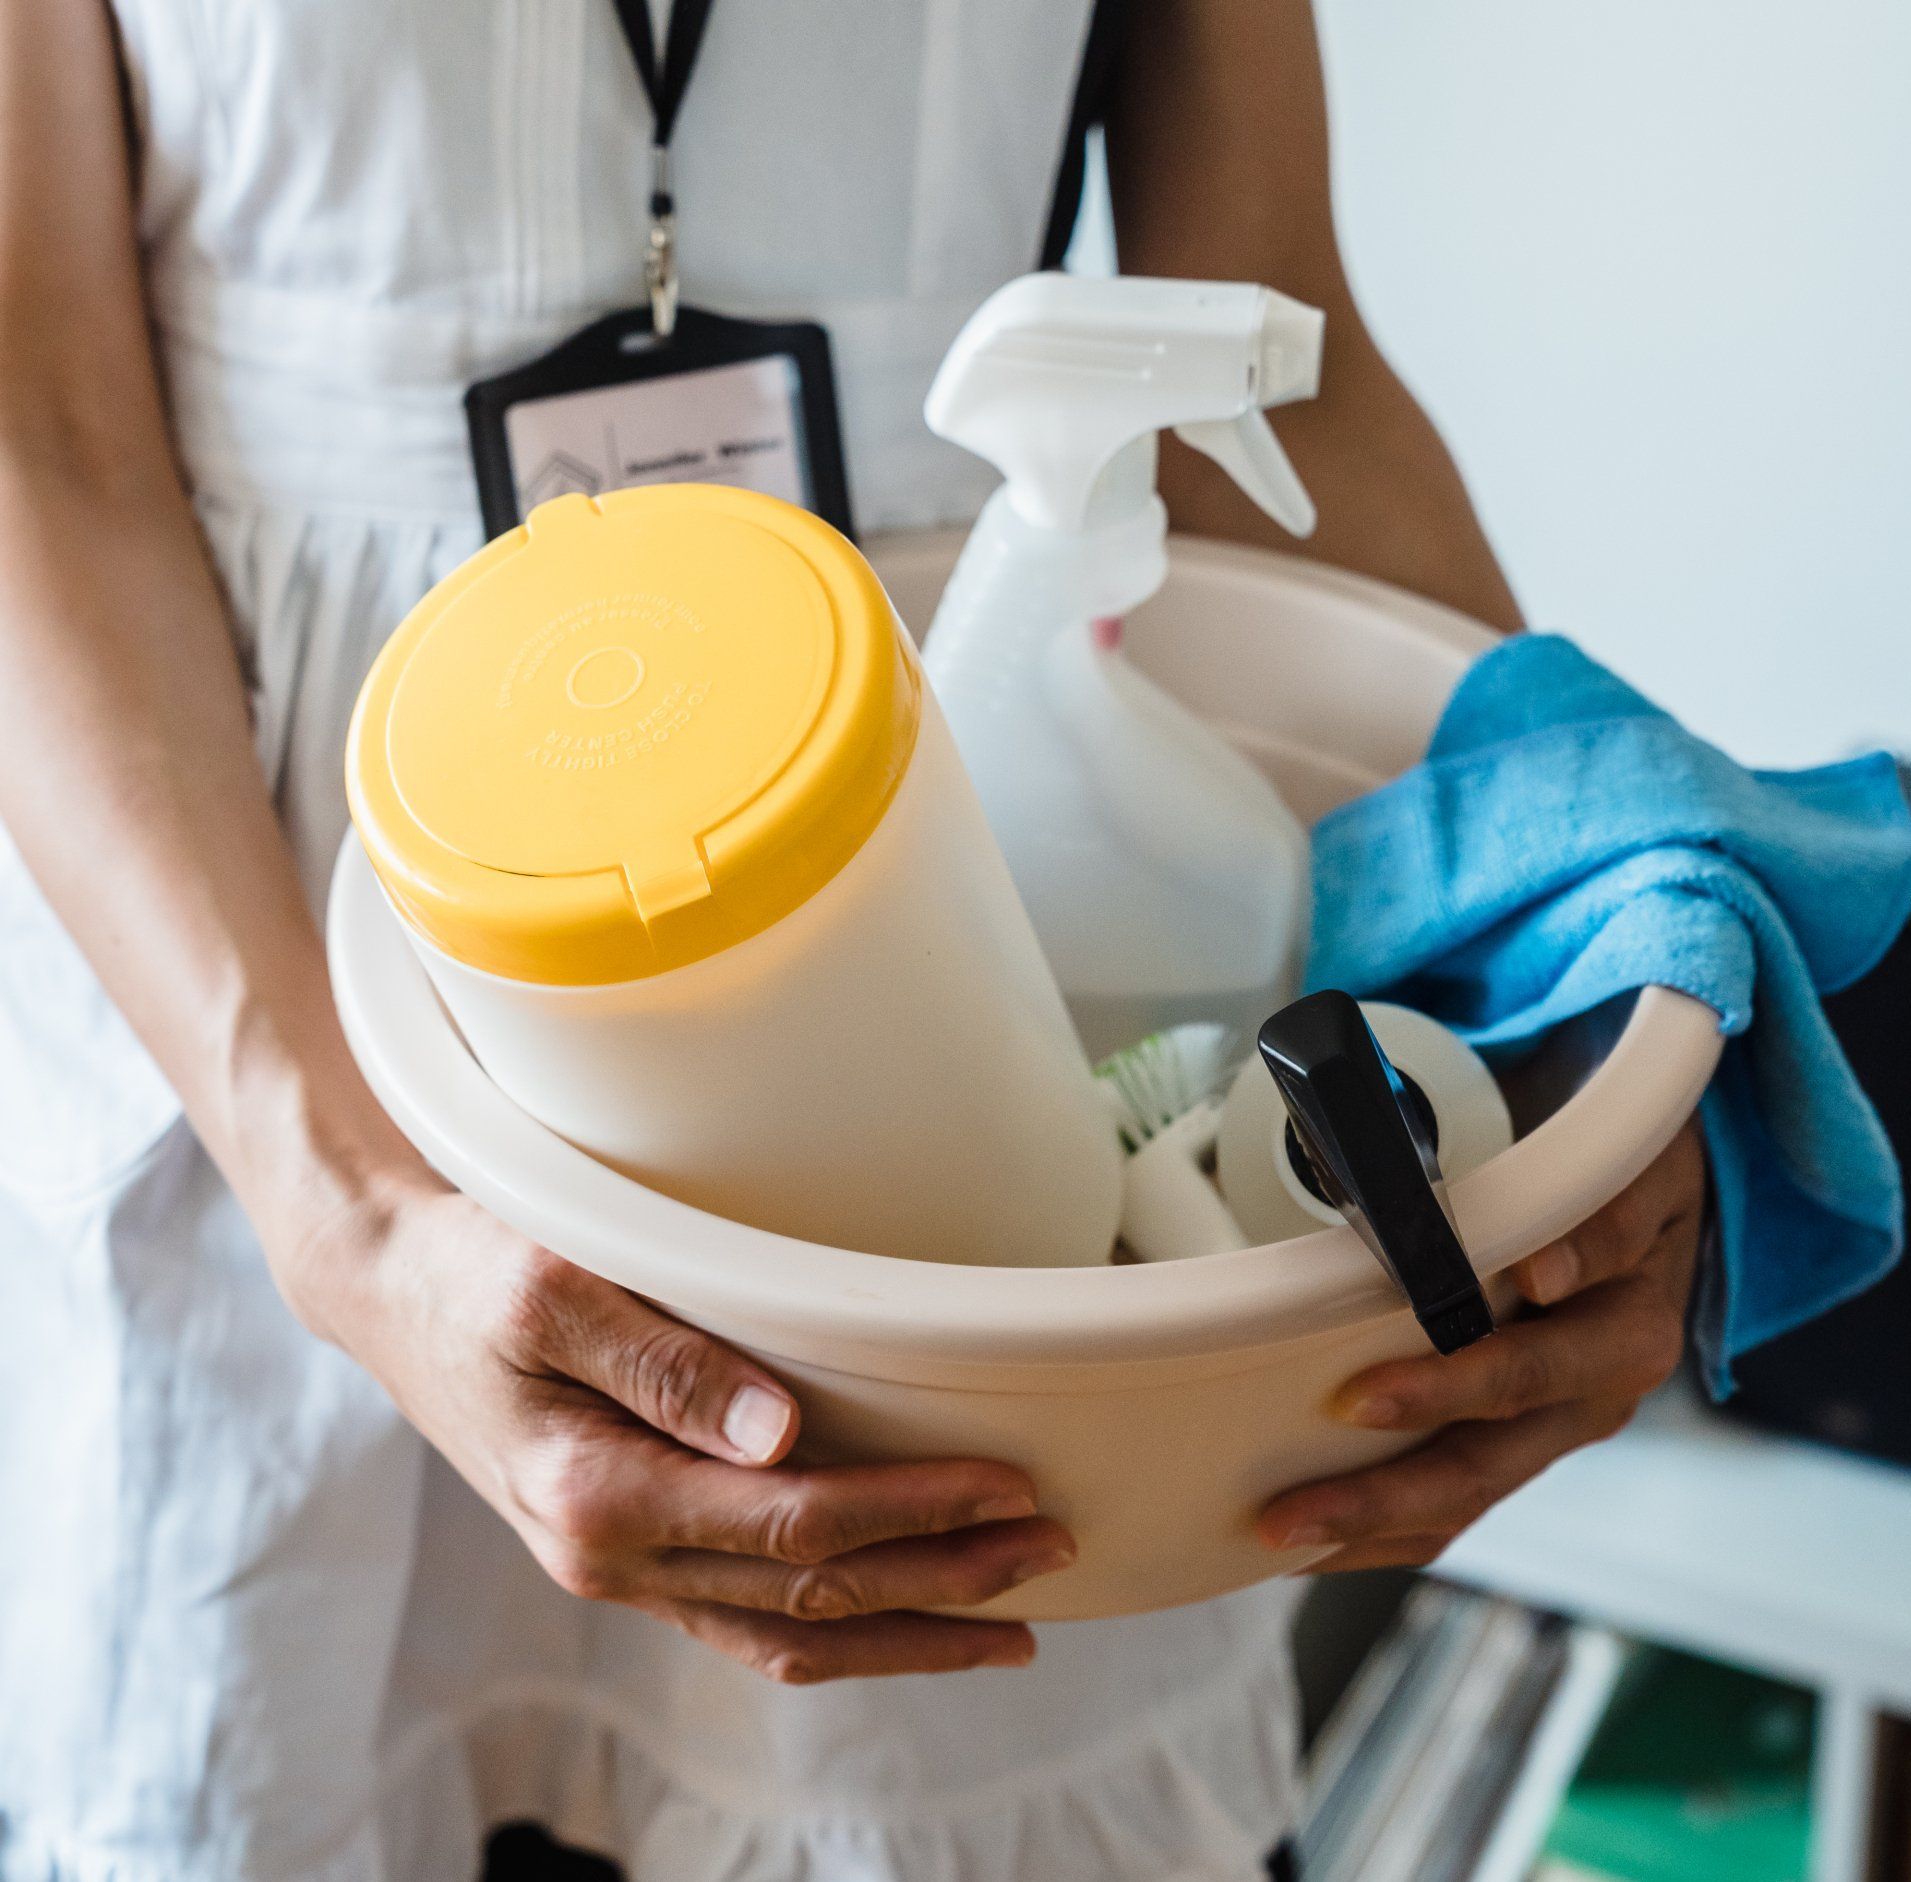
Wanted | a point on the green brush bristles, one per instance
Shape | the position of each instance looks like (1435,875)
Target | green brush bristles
(1164,1076)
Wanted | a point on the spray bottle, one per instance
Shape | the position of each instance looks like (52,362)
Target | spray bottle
(1164,875)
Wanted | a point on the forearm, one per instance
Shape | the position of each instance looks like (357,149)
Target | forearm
(127,776)
(1219,163)
(133,792)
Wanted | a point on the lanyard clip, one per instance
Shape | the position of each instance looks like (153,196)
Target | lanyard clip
(660,253)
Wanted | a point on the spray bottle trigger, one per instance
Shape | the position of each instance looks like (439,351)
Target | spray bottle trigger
(1246,448)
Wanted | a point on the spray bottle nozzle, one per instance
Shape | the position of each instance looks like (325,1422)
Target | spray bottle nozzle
(1374,1156)
(1245,447)
(1055,376)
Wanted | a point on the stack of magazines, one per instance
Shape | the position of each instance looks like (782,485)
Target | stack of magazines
(1446,1759)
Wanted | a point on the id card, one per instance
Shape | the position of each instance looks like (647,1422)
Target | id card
(722,401)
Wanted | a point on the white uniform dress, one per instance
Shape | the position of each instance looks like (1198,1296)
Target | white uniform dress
(251,1629)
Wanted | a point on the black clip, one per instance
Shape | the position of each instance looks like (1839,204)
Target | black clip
(1367,1139)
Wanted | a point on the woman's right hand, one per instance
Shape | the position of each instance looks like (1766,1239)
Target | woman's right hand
(641,1461)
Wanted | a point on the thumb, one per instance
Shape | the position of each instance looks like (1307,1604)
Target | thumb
(1616,1239)
(679,1381)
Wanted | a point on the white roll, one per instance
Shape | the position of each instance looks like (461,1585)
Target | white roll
(1257,1174)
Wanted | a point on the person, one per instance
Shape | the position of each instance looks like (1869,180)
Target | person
(340,1522)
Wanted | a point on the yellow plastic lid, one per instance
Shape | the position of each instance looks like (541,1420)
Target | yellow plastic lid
(631,734)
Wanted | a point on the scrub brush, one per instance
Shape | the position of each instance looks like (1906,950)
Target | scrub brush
(1165,1092)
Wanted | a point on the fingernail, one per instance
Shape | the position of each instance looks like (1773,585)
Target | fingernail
(755,1421)
(1315,1565)
(1050,1562)
(1311,1532)
(1018,1655)
(1555,1274)
(1371,1410)
(1004,1509)
(1307,1536)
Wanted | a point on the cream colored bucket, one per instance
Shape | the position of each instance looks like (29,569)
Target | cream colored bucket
(1156,1407)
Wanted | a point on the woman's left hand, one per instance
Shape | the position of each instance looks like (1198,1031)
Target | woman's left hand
(1610,1329)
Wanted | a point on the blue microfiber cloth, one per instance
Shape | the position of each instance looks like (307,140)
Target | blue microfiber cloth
(1565,841)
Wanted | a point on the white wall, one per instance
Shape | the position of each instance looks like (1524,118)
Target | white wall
(1648,263)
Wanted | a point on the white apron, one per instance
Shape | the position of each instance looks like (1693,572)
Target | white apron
(251,1629)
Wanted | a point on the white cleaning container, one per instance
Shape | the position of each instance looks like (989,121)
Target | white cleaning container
(685,847)
(1165,877)
(1157,1406)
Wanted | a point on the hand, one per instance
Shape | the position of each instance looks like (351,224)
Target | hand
(639,1460)
(1611,1329)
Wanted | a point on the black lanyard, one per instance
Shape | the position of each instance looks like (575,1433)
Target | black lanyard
(664,85)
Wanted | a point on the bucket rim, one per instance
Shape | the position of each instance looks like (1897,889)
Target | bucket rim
(706,1267)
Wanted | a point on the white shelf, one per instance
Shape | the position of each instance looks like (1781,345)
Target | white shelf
(1765,1551)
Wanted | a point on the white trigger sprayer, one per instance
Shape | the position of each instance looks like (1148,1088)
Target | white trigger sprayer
(1165,877)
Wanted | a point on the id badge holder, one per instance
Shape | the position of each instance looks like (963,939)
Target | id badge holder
(721,401)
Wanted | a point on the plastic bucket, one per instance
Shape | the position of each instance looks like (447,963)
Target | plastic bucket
(1156,1407)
